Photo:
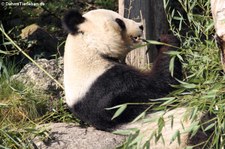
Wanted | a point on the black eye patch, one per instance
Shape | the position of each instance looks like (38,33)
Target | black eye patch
(121,23)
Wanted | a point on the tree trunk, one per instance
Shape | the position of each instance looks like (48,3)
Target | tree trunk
(218,13)
(151,13)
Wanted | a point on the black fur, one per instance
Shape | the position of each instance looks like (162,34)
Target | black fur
(111,59)
(71,20)
(121,23)
(141,27)
(124,84)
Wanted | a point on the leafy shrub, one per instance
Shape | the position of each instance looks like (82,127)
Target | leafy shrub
(202,89)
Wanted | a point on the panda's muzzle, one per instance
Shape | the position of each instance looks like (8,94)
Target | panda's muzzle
(136,39)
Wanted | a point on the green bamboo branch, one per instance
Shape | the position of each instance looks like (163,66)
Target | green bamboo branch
(25,54)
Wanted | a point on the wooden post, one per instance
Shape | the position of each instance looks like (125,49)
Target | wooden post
(218,13)
(151,13)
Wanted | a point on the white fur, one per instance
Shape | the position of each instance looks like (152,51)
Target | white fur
(77,78)
(83,63)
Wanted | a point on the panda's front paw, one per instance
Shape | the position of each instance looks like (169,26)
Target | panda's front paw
(169,42)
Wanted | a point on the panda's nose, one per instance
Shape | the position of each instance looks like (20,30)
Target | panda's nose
(141,27)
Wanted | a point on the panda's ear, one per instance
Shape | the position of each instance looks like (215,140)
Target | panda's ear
(71,20)
(121,23)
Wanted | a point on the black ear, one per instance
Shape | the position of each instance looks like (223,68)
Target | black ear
(121,23)
(70,21)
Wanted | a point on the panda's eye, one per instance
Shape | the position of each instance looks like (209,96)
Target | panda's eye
(121,23)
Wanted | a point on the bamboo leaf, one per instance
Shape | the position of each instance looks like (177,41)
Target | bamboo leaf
(189,86)
(194,131)
(171,66)
(155,42)
(3,52)
(6,43)
(137,140)
(173,53)
(210,126)
(3,105)
(164,99)
(139,116)
(115,107)
(180,57)
(147,145)
(160,43)
(161,124)
(119,111)
(3,147)
(210,26)
(126,132)
(172,120)
(151,120)
(176,135)
(194,113)
(168,102)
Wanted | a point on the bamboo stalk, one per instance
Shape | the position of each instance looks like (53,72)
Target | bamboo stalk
(25,54)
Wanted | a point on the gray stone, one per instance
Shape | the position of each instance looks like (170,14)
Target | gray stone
(70,136)
(32,75)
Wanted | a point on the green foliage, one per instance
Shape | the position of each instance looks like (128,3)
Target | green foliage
(202,89)
(19,107)
(107,4)
(134,137)
(23,108)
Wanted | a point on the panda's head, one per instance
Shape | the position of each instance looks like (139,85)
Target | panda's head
(104,31)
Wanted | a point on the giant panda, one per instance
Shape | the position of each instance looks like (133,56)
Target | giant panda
(95,77)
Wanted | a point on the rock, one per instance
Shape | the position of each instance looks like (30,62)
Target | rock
(70,136)
(32,75)
(29,31)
